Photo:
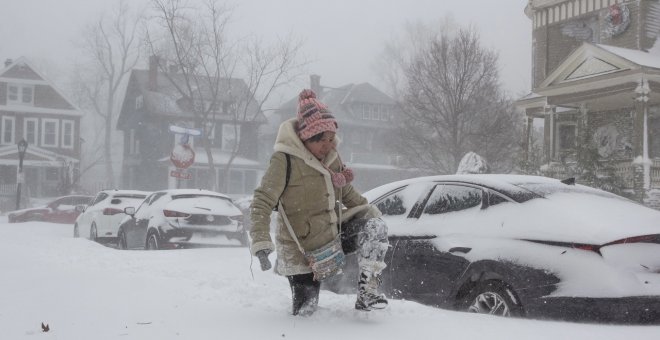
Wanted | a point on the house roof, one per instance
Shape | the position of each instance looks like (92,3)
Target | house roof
(339,102)
(591,69)
(590,62)
(23,71)
(167,100)
(647,59)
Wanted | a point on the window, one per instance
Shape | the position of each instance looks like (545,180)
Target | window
(20,94)
(49,132)
(230,136)
(8,130)
(52,174)
(405,200)
(449,198)
(30,130)
(216,106)
(209,130)
(100,197)
(133,143)
(392,205)
(139,102)
(67,134)
(494,199)
(236,182)
(566,136)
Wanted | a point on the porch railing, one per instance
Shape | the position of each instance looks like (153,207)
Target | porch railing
(626,170)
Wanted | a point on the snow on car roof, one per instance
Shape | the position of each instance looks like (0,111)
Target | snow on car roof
(175,192)
(115,192)
(502,182)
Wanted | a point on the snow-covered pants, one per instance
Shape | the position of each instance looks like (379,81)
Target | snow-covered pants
(367,237)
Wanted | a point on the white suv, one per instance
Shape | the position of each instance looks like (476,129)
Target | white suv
(100,220)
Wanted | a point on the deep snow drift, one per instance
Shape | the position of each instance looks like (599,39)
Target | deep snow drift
(84,290)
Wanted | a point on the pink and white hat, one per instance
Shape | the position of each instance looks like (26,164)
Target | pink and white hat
(313,116)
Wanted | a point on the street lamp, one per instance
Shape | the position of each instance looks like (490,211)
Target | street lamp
(22,146)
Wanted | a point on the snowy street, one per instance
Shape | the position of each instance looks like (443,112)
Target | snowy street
(84,290)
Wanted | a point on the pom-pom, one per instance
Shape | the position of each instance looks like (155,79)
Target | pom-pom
(306,94)
(348,174)
(338,180)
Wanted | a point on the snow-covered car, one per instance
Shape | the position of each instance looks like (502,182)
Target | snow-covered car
(516,245)
(182,218)
(100,220)
(59,210)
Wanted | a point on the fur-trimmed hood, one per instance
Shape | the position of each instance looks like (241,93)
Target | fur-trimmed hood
(287,141)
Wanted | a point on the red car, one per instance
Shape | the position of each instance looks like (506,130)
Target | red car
(60,210)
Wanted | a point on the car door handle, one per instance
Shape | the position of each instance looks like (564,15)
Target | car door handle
(463,250)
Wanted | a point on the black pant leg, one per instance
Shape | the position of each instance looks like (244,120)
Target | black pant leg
(304,291)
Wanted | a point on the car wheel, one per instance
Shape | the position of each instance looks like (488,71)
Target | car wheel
(93,233)
(152,241)
(76,231)
(121,241)
(492,297)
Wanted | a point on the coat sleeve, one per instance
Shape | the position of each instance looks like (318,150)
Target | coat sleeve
(264,200)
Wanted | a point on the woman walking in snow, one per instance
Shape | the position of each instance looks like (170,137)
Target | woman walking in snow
(309,181)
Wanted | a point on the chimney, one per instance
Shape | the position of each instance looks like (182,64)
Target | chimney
(153,73)
(8,62)
(315,83)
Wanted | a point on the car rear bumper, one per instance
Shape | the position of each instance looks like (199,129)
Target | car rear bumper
(625,310)
(201,237)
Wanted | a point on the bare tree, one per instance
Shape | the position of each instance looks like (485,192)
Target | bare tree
(194,40)
(111,48)
(453,103)
(266,69)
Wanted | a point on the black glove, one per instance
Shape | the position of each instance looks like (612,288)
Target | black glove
(262,255)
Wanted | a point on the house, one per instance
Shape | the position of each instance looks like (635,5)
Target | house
(596,84)
(33,109)
(152,106)
(365,116)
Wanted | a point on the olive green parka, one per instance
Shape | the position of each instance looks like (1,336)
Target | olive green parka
(308,201)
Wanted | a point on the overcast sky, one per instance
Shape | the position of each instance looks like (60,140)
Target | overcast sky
(343,37)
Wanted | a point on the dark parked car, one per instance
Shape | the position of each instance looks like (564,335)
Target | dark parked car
(181,218)
(59,210)
(518,246)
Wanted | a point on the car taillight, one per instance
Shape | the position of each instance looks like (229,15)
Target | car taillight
(172,213)
(637,239)
(112,211)
(589,247)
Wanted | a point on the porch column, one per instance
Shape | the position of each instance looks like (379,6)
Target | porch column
(548,133)
(641,161)
(582,126)
(529,121)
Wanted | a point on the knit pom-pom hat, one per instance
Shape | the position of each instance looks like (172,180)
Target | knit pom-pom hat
(313,116)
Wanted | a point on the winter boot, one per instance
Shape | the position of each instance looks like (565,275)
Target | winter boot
(305,294)
(368,297)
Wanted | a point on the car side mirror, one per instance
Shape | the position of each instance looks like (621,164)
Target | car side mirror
(80,208)
(129,211)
